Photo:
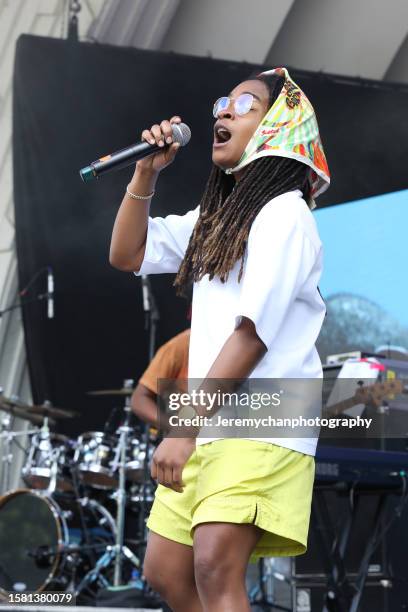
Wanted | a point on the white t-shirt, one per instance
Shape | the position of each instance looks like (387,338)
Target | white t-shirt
(278,292)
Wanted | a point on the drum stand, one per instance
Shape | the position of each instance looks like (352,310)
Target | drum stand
(117,553)
(7,457)
(7,438)
(120,549)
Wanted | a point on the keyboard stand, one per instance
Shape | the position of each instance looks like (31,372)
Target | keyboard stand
(344,595)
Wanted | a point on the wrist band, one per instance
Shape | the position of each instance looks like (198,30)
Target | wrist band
(139,197)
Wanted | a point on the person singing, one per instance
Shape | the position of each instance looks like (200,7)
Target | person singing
(253,254)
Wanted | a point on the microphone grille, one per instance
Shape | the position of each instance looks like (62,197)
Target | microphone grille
(181,133)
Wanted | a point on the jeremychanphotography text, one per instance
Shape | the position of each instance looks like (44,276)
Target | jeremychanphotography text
(269,421)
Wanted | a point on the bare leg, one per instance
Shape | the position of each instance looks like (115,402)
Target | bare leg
(169,569)
(221,555)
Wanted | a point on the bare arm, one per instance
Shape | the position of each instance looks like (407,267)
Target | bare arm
(130,228)
(240,354)
(144,405)
(236,360)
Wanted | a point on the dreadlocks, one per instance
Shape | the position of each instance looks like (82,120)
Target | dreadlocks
(228,209)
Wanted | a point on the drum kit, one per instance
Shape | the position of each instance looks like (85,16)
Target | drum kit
(66,530)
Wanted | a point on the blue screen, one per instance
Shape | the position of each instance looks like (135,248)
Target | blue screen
(365,280)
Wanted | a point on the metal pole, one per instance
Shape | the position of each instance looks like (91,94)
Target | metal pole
(121,497)
(6,456)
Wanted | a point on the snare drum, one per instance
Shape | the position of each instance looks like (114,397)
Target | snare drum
(94,457)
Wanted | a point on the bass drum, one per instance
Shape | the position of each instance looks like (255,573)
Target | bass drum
(35,533)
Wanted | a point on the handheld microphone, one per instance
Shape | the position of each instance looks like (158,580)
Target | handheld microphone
(50,293)
(126,157)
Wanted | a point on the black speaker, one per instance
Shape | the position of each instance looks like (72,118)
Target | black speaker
(374,599)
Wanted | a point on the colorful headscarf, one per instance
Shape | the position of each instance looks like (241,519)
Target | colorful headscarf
(289,129)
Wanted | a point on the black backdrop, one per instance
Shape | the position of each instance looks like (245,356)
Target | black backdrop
(74,102)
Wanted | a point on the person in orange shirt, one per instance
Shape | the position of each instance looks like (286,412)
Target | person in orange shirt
(170,361)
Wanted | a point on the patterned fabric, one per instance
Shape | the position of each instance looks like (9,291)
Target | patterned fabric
(289,129)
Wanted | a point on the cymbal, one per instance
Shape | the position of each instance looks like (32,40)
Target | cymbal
(41,410)
(58,413)
(125,391)
(34,419)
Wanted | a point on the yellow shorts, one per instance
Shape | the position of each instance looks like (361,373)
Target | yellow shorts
(241,481)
